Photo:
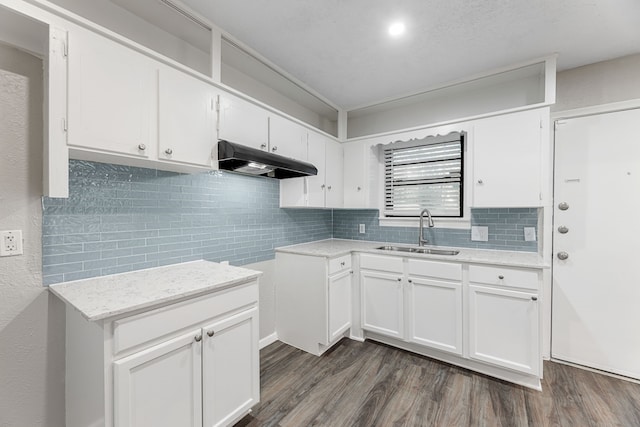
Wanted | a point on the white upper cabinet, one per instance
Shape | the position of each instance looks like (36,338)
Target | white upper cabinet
(507,159)
(334,174)
(287,138)
(355,175)
(316,184)
(112,100)
(243,122)
(187,119)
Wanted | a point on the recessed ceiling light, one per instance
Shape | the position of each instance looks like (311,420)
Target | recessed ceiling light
(396,29)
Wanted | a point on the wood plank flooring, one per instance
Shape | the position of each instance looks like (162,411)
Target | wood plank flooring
(370,384)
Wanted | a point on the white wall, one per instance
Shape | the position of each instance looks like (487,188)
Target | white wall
(255,89)
(31,320)
(121,21)
(600,83)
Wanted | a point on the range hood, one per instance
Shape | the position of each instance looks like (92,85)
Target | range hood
(251,161)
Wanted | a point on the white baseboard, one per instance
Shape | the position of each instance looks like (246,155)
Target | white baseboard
(269,339)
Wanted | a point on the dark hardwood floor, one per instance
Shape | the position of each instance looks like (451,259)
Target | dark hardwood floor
(371,384)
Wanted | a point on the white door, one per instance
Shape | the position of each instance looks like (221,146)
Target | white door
(243,122)
(187,119)
(287,138)
(231,368)
(334,175)
(339,304)
(436,314)
(112,97)
(160,386)
(507,159)
(382,303)
(504,328)
(316,184)
(596,290)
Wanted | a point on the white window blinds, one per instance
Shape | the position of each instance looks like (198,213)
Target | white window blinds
(425,174)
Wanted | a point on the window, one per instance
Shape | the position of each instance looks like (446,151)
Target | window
(425,173)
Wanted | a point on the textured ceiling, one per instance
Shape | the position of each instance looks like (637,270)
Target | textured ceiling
(341,49)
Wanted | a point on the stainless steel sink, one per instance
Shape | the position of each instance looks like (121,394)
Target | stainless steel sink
(431,251)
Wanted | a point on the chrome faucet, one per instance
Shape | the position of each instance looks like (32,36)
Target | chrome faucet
(421,239)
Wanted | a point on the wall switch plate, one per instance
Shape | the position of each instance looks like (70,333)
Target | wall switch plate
(11,243)
(361,228)
(529,234)
(479,233)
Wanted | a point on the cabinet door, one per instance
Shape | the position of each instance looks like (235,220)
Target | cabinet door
(316,184)
(355,162)
(112,97)
(160,386)
(507,160)
(339,306)
(382,303)
(436,314)
(334,175)
(187,118)
(503,328)
(287,138)
(231,368)
(243,122)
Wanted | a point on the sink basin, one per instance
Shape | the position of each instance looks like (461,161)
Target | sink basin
(431,251)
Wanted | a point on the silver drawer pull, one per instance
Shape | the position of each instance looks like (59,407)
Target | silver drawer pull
(211,333)
(198,338)
(534,298)
(501,277)
(342,263)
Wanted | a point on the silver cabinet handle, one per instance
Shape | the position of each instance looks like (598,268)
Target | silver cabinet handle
(534,298)
(563,206)
(501,277)
(359,188)
(329,188)
(263,146)
(211,333)
(322,186)
(142,147)
(399,279)
(168,151)
(198,338)
(342,263)
(275,148)
(351,272)
(480,181)
(563,255)
(410,281)
(563,230)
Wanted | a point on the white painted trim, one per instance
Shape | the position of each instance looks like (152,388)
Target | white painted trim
(356,338)
(268,340)
(596,109)
(457,223)
(451,122)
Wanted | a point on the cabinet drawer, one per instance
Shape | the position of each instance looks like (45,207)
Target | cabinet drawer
(439,270)
(339,264)
(149,326)
(382,263)
(504,276)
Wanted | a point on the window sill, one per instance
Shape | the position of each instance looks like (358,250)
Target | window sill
(458,223)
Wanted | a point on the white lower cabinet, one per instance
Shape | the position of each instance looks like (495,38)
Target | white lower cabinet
(382,303)
(488,322)
(160,386)
(190,364)
(313,300)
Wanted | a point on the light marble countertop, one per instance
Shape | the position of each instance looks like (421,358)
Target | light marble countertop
(336,247)
(107,296)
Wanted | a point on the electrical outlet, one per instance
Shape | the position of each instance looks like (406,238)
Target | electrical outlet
(11,243)
(529,234)
(479,233)
(361,228)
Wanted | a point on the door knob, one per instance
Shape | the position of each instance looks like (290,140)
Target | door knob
(563,206)
(563,255)
(562,229)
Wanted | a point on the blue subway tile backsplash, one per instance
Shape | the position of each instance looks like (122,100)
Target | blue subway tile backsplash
(506,229)
(120,218)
